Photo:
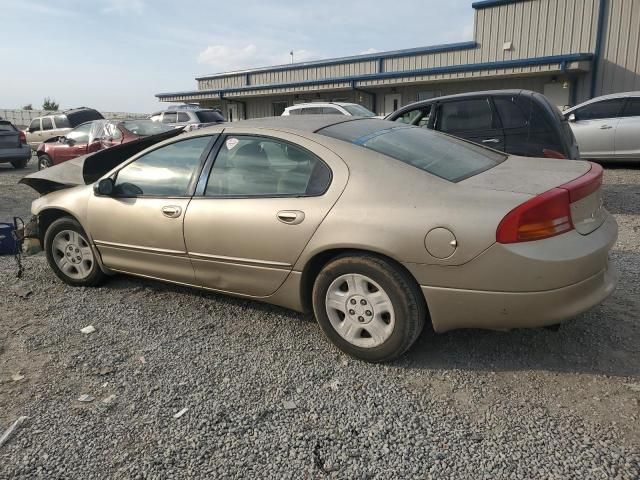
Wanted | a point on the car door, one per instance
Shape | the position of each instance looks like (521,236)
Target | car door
(594,127)
(472,119)
(627,140)
(139,228)
(258,205)
(74,144)
(33,132)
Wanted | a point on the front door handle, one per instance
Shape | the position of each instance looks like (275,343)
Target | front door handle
(605,127)
(171,211)
(290,217)
(491,140)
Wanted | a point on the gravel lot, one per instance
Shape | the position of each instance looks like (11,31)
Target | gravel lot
(269,397)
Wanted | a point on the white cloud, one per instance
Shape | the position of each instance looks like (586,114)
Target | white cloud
(226,58)
(124,7)
(369,50)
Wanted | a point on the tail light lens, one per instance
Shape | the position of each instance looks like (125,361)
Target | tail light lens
(548,153)
(22,137)
(548,214)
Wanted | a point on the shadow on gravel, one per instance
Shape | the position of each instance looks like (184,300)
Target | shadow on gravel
(603,340)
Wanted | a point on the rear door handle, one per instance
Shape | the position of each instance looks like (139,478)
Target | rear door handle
(491,140)
(290,217)
(605,127)
(171,211)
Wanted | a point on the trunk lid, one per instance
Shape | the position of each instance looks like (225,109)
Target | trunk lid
(534,176)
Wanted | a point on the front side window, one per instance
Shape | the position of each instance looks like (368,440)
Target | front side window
(164,172)
(169,117)
(604,109)
(35,125)
(418,116)
(632,109)
(256,166)
(466,115)
(47,124)
(80,134)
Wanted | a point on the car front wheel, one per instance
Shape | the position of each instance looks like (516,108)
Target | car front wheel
(44,161)
(368,307)
(70,255)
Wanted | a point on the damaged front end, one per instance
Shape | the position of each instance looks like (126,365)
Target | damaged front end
(83,170)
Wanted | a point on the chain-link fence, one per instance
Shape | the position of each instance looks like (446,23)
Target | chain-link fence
(22,118)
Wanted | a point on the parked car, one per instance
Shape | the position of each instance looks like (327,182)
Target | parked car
(93,136)
(519,122)
(607,127)
(374,226)
(190,119)
(55,125)
(328,108)
(13,145)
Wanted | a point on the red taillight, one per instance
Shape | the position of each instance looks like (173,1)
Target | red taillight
(549,213)
(548,153)
(22,137)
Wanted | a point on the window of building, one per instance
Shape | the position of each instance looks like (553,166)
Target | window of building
(166,171)
(257,166)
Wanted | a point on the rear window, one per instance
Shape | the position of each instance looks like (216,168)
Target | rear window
(6,127)
(209,116)
(440,155)
(61,121)
(78,117)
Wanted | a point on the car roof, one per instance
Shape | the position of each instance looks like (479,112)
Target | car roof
(319,104)
(603,97)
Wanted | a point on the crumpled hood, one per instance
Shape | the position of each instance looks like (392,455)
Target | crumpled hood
(89,168)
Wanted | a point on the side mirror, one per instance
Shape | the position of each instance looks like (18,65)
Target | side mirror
(571,117)
(105,187)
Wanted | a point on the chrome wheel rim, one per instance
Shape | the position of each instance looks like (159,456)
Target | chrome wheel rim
(359,310)
(72,254)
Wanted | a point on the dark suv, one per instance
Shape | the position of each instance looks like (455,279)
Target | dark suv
(519,122)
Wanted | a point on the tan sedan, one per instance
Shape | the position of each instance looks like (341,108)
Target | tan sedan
(375,227)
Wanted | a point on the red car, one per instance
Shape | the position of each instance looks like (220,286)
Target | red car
(92,136)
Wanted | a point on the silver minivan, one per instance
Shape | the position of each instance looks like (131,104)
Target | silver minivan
(608,127)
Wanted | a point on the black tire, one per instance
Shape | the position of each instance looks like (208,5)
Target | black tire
(44,161)
(20,164)
(95,275)
(408,303)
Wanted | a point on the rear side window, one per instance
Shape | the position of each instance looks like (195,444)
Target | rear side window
(166,171)
(209,116)
(249,166)
(61,121)
(511,114)
(466,115)
(331,111)
(311,111)
(632,109)
(604,109)
(183,117)
(440,155)
(47,124)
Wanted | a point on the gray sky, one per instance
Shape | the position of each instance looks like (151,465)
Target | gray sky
(114,55)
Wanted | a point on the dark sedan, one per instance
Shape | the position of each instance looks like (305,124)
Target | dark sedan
(13,145)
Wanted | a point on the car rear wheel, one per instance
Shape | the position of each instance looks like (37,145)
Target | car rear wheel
(44,161)
(70,255)
(368,307)
(19,164)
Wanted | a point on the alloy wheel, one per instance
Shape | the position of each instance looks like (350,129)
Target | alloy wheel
(72,254)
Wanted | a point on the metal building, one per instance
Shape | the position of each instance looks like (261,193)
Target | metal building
(570,50)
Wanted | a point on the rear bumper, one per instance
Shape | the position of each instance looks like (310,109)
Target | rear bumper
(11,154)
(456,308)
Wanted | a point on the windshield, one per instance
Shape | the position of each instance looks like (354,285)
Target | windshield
(435,153)
(209,116)
(145,127)
(358,111)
